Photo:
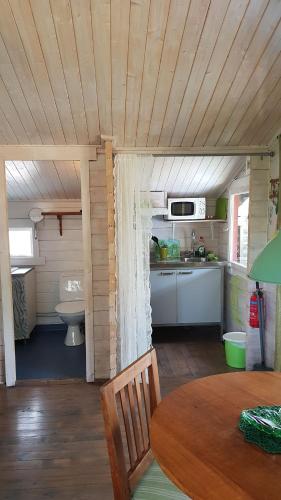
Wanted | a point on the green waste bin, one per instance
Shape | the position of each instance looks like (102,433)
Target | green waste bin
(235,349)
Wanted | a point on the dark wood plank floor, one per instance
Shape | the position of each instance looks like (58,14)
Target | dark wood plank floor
(51,436)
(186,353)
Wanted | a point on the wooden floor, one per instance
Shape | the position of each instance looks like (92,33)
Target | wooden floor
(51,436)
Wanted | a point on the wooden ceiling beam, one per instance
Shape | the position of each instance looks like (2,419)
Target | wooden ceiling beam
(48,152)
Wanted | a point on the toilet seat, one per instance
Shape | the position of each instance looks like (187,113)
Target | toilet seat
(71,307)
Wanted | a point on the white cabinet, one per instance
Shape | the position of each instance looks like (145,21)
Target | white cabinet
(186,296)
(198,296)
(163,297)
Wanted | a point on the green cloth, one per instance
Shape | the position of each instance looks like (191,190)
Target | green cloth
(154,485)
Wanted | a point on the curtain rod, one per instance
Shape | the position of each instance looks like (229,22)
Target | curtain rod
(262,153)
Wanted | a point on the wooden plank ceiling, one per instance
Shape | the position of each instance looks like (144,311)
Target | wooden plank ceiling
(43,180)
(195,176)
(47,180)
(149,72)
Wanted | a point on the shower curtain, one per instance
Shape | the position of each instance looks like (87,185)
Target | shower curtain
(133,232)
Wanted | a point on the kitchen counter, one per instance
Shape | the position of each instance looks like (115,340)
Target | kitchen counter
(179,264)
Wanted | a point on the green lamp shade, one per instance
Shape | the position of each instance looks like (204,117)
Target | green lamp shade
(267,266)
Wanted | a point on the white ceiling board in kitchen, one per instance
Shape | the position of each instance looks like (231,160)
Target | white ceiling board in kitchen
(195,175)
(149,72)
(49,180)
(43,180)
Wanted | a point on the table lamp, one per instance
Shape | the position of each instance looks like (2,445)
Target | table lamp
(267,265)
(266,268)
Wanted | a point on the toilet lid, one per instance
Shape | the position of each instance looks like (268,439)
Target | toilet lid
(76,306)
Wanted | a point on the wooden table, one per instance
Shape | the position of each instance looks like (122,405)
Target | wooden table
(196,441)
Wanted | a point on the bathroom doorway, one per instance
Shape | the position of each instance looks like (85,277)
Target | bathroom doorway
(47,254)
(46,250)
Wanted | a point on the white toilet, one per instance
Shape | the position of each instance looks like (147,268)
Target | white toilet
(71,309)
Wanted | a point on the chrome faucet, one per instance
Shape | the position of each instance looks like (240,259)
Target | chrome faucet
(193,236)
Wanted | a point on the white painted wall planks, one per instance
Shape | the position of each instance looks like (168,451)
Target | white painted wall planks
(62,253)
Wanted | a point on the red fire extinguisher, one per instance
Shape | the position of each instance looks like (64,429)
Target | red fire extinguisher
(254,309)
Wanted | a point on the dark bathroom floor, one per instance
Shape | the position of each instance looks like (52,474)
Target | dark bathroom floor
(44,355)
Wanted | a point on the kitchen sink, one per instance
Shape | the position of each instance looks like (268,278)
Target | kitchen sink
(183,264)
(192,259)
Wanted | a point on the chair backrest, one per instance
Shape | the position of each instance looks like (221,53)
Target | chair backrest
(128,402)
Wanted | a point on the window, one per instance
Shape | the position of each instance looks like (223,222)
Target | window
(239,228)
(21,241)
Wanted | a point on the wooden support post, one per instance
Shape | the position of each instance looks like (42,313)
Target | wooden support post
(6,284)
(111,253)
(277,363)
(88,273)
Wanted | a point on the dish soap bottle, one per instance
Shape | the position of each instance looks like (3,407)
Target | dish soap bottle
(201,250)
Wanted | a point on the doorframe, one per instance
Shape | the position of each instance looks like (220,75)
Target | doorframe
(83,154)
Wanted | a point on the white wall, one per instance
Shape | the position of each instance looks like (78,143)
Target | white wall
(62,253)
(163,229)
(238,287)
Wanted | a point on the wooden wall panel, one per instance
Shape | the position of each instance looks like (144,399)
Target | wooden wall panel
(102,219)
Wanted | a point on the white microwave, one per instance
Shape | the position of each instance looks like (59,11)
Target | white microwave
(186,209)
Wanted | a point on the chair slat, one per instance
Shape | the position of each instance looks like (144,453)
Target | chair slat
(125,412)
(146,397)
(115,445)
(154,385)
(136,428)
(144,429)
(122,379)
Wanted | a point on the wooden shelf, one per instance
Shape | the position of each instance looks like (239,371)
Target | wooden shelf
(198,220)
(59,216)
(164,211)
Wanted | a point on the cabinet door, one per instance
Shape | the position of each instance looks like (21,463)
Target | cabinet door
(199,296)
(163,297)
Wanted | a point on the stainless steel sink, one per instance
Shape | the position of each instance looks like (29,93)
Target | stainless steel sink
(191,259)
(183,264)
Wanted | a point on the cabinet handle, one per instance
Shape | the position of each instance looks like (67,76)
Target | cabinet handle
(166,274)
(185,272)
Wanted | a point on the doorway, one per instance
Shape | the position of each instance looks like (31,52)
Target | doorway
(189,198)
(59,330)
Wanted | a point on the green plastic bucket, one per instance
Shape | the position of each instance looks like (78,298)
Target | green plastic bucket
(235,349)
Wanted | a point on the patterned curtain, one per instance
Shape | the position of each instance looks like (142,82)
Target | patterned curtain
(133,233)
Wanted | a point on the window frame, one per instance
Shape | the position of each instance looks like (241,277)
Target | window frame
(24,260)
(31,238)
(238,187)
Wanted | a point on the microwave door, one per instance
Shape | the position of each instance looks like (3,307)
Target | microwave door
(182,209)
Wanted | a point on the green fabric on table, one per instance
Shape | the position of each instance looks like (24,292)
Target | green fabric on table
(154,485)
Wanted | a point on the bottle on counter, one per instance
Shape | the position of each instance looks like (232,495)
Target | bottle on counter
(200,250)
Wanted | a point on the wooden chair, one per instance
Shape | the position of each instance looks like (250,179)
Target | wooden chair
(128,402)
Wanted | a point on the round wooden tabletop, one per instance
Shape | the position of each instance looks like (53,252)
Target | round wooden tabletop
(196,440)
